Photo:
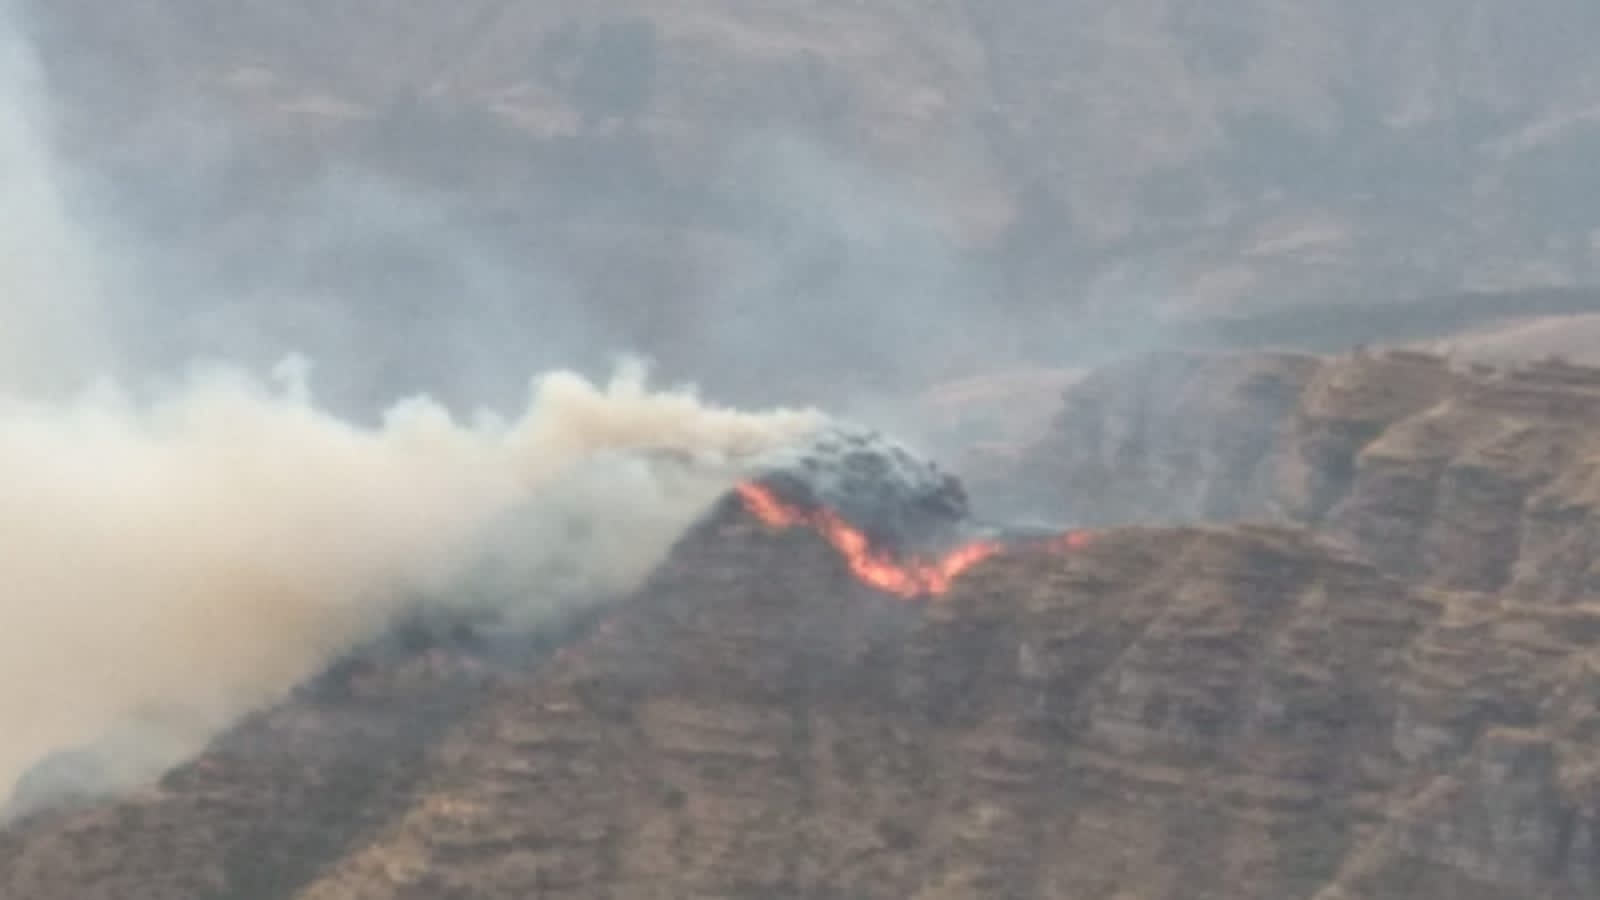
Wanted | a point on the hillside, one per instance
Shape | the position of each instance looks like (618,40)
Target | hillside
(1454,473)
(1387,694)
(1257,340)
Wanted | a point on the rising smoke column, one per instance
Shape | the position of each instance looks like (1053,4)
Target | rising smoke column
(183,554)
(48,324)
(196,556)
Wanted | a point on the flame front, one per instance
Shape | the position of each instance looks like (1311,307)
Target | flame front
(910,578)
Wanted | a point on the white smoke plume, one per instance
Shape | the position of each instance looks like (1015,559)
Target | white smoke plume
(48,325)
(188,553)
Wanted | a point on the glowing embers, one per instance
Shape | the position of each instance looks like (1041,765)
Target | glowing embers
(906,578)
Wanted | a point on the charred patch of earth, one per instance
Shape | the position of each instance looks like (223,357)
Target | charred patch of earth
(901,502)
(903,525)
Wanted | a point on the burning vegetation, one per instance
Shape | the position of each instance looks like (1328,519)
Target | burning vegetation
(902,526)
(907,578)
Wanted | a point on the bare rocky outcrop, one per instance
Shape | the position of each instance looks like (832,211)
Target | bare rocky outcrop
(1382,687)
(1243,711)
(1468,477)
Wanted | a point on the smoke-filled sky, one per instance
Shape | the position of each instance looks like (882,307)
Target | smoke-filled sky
(185,542)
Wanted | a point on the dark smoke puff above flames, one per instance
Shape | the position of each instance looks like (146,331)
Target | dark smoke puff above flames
(902,525)
(901,502)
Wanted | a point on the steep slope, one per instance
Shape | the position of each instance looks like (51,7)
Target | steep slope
(1224,713)
(1163,713)
(287,791)
(1463,475)
(1570,336)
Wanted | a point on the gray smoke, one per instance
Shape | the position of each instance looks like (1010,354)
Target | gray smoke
(901,500)
(182,549)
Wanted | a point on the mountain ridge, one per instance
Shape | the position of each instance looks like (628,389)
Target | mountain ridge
(1166,710)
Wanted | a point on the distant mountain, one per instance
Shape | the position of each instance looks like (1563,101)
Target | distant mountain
(670,166)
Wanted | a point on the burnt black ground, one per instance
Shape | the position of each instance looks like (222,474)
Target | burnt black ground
(902,501)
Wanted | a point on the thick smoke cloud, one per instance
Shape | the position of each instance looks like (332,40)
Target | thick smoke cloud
(183,546)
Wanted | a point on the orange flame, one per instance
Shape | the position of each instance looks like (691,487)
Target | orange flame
(918,578)
(911,578)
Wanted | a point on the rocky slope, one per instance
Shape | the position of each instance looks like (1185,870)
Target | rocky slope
(1458,474)
(282,794)
(1387,694)
(1519,338)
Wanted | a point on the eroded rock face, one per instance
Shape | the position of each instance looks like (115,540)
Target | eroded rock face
(1174,436)
(1164,713)
(1386,690)
(1465,477)
(272,801)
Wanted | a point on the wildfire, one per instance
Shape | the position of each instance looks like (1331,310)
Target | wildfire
(909,578)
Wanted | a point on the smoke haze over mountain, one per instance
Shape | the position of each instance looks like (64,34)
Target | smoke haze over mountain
(184,544)
(421,202)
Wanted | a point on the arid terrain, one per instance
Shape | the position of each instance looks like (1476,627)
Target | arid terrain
(1376,682)
(1259,343)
